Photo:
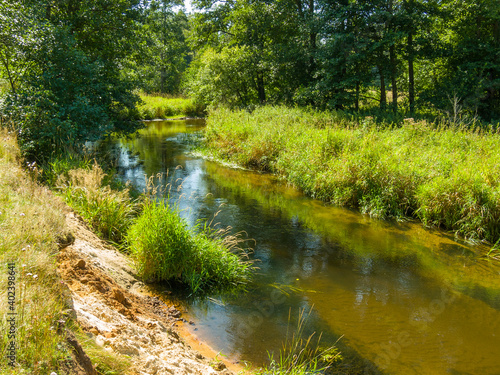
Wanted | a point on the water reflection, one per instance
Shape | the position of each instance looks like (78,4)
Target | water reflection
(406,299)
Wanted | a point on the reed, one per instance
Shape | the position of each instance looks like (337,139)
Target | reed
(165,249)
(301,354)
(444,174)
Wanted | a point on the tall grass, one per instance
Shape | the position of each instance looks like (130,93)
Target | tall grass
(445,175)
(160,107)
(165,249)
(109,212)
(301,355)
(32,223)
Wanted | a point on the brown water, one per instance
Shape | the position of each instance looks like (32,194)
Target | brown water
(407,300)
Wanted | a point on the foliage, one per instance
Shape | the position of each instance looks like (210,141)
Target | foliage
(402,55)
(72,92)
(413,170)
(164,249)
(157,65)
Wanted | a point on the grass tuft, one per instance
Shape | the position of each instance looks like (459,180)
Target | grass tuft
(301,356)
(165,249)
(109,212)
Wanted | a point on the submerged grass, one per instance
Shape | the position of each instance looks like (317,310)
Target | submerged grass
(445,175)
(159,107)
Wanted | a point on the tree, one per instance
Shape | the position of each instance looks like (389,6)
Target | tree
(72,92)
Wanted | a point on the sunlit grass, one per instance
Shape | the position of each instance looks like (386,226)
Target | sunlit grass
(301,355)
(165,249)
(159,107)
(32,223)
(445,175)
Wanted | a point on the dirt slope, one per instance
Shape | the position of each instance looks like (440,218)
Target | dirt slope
(114,307)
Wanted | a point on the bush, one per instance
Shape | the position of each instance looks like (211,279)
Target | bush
(165,249)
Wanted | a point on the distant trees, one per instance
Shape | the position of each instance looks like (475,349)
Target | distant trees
(337,54)
(71,66)
(161,55)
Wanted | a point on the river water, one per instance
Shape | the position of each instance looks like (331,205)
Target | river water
(396,298)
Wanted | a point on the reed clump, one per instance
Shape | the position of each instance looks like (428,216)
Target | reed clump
(446,175)
(165,249)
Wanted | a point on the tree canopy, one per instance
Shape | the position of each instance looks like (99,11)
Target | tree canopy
(71,68)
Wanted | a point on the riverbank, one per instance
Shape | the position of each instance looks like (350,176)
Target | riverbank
(446,176)
(155,106)
(75,303)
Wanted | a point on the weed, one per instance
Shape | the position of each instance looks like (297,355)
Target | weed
(110,212)
(301,356)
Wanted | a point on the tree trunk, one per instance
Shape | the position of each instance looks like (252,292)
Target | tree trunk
(383,95)
(392,56)
(260,88)
(357,97)
(411,76)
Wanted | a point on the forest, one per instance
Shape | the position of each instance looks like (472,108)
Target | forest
(71,70)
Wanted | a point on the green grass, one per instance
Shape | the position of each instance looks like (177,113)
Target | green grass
(109,212)
(32,222)
(159,107)
(165,249)
(445,175)
(300,355)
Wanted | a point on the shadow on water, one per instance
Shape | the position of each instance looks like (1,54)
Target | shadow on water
(406,299)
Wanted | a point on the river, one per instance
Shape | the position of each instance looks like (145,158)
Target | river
(396,298)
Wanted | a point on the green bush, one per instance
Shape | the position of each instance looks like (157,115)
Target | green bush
(165,249)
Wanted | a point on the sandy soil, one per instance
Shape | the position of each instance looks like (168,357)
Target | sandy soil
(121,313)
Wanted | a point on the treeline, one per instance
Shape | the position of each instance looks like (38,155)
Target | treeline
(399,55)
(71,70)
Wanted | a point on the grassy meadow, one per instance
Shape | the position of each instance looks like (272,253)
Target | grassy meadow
(155,106)
(445,175)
